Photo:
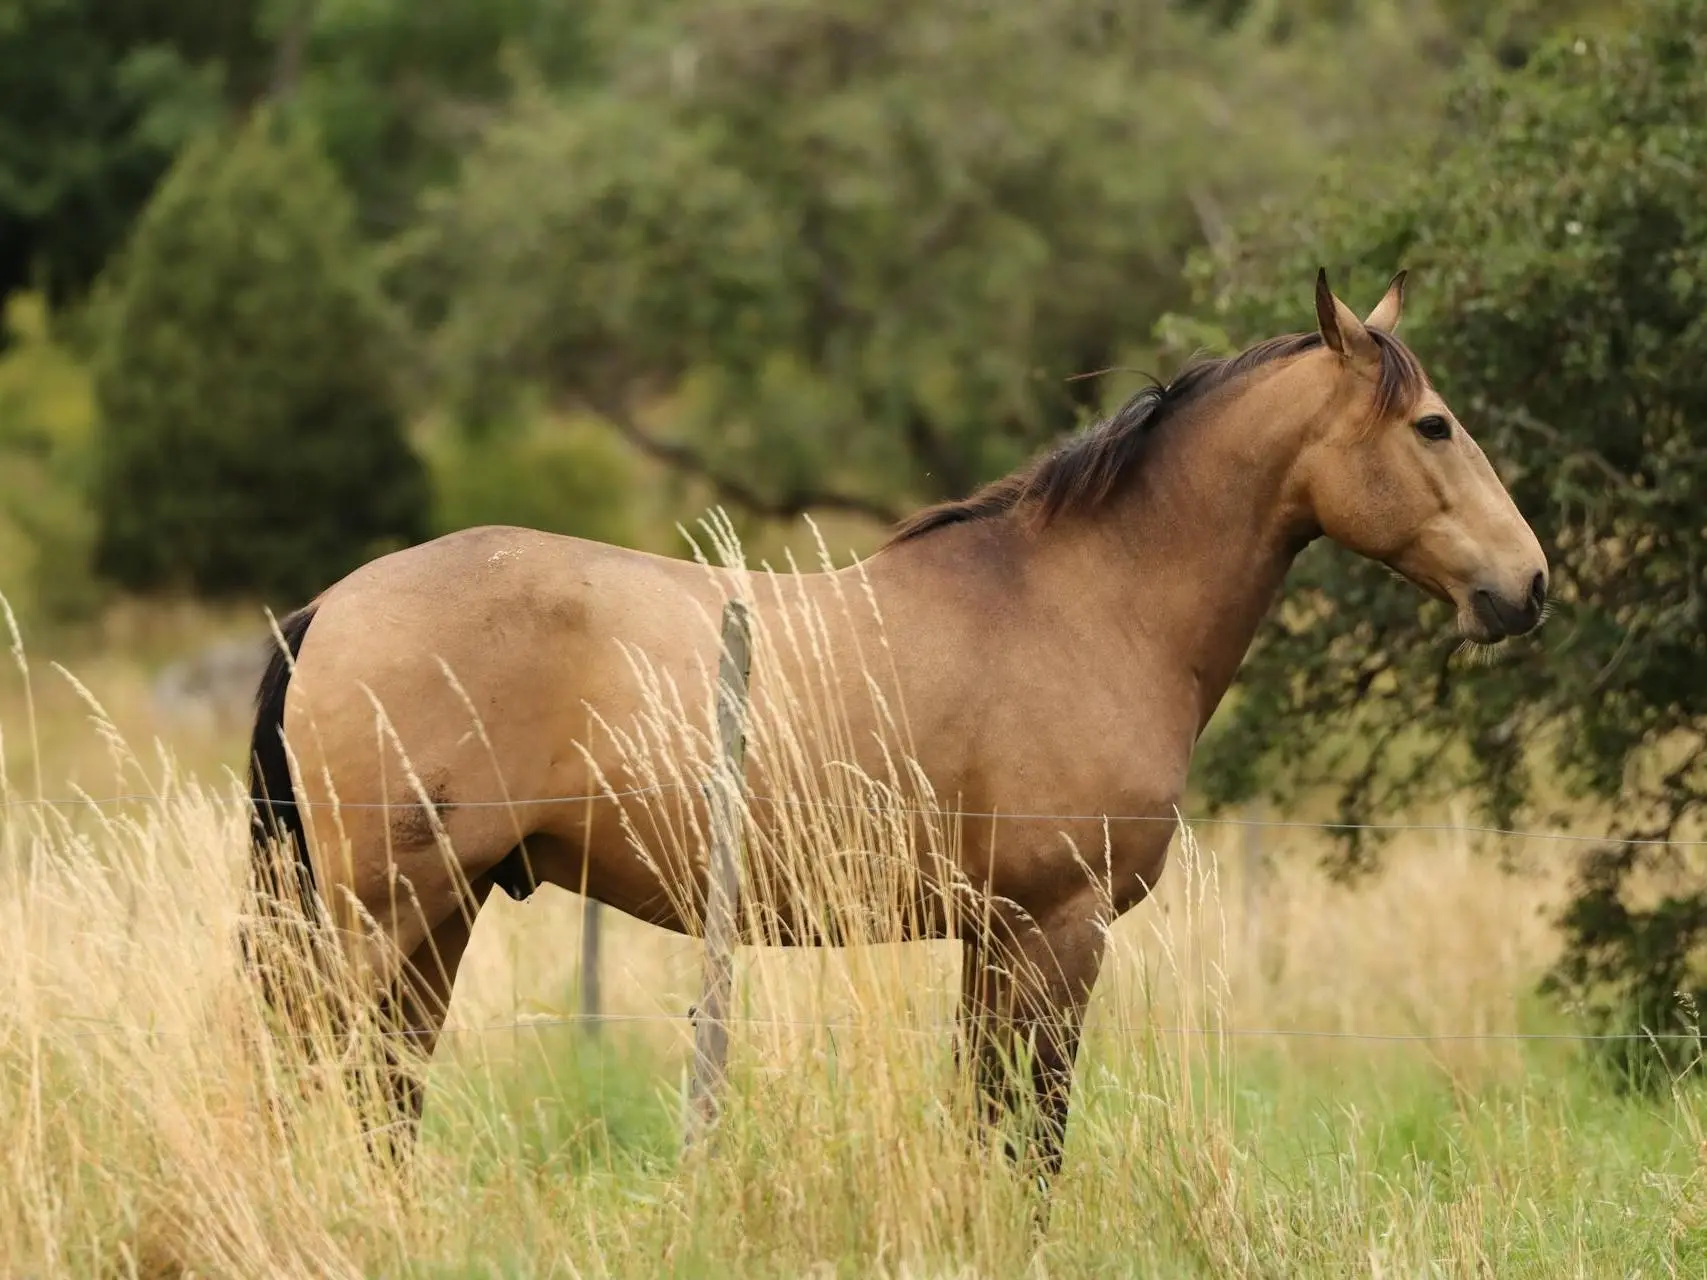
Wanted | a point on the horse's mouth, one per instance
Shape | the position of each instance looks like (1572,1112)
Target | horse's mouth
(1483,638)
(1473,629)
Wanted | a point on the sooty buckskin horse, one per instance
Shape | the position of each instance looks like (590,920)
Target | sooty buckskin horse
(1056,643)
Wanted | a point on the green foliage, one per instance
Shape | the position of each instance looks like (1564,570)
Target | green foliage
(95,100)
(251,434)
(1508,29)
(396,87)
(46,420)
(560,476)
(1558,241)
(863,245)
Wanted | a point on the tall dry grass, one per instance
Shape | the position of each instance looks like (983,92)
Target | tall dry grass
(152,1128)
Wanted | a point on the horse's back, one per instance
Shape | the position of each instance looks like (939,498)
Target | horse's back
(470,671)
(494,609)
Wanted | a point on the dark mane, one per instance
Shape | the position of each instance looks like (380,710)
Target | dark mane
(1084,471)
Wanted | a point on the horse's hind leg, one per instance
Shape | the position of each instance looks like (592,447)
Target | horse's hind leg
(1023,997)
(413,1012)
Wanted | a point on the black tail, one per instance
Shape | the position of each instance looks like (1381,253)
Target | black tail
(277,821)
(282,938)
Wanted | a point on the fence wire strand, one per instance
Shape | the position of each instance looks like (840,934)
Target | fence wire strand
(546,1022)
(552,1021)
(658,788)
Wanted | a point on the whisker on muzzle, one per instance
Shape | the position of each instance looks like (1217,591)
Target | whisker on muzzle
(1476,653)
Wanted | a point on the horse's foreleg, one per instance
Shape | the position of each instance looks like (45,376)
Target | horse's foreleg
(1023,996)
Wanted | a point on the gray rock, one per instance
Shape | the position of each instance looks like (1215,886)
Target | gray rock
(214,687)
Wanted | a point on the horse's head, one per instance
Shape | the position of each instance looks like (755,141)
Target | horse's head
(1391,474)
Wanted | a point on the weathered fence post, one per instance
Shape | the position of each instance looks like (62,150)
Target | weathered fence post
(590,964)
(723,800)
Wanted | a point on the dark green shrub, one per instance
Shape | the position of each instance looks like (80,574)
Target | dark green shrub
(1557,239)
(562,477)
(251,435)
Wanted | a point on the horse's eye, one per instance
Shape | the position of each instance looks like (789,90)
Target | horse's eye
(1433,427)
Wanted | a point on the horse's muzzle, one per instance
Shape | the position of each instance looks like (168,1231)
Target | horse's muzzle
(1502,616)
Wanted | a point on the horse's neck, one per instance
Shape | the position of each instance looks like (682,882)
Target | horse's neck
(1204,536)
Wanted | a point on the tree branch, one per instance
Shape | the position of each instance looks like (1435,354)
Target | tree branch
(685,458)
(288,57)
(1523,420)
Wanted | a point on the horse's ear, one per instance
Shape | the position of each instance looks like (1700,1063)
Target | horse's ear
(1341,329)
(1392,305)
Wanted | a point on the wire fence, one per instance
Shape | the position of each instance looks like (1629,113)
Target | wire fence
(660,788)
(597,1018)
(685,1019)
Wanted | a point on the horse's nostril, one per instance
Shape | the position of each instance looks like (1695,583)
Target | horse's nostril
(1538,590)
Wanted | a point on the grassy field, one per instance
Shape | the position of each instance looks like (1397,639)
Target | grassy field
(139,1138)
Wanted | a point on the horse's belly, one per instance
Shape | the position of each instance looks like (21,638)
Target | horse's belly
(802,884)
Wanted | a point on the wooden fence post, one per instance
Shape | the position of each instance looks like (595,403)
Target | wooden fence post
(723,800)
(590,965)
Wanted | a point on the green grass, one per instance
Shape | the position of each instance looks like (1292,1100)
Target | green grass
(1378,1163)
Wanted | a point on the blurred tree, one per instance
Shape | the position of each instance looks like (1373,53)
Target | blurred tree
(251,438)
(856,249)
(47,414)
(541,473)
(95,99)
(397,87)
(1558,242)
(1509,30)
